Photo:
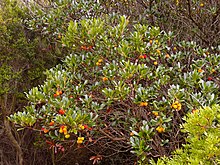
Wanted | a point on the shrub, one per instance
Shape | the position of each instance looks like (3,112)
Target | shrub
(121,89)
(22,62)
(202,128)
(196,20)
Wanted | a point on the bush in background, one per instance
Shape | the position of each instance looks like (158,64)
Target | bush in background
(22,62)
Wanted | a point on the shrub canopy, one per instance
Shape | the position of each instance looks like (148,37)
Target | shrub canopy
(121,89)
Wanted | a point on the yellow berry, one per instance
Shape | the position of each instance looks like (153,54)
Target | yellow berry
(158,51)
(155,63)
(160,129)
(155,114)
(81,127)
(67,136)
(61,130)
(174,106)
(179,107)
(80,140)
(176,102)
(201,4)
(100,60)
(213,70)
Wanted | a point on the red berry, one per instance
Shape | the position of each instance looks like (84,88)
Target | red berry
(144,56)
(61,111)
(85,126)
(209,78)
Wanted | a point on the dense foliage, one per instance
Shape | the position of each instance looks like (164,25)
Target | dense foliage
(22,62)
(124,84)
(121,86)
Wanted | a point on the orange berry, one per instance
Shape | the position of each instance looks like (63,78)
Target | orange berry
(61,111)
(151,41)
(65,132)
(83,47)
(104,79)
(160,129)
(46,130)
(143,104)
(51,123)
(207,53)
(167,56)
(195,111)
(63,126)
(59,93)
(90,47)
(200,70)
(131,134)
(85,126)
(141,57)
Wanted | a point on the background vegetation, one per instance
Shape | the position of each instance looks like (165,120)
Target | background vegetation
(126,81)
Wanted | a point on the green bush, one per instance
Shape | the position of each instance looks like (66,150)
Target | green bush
(121,89)
(202,128)
(190,20)
(23,58)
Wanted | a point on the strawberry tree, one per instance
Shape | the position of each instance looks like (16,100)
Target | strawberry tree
(121,89)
